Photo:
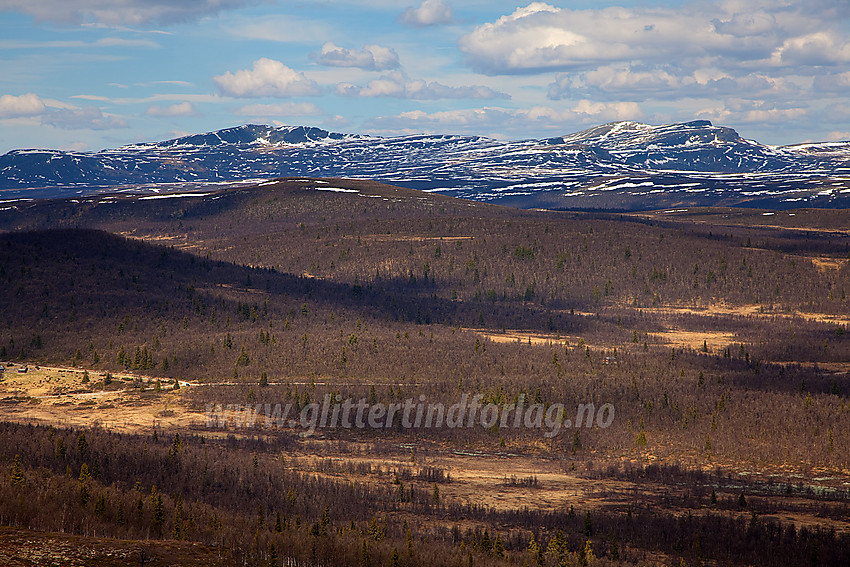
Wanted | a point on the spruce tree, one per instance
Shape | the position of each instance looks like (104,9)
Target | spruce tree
(498,547)
(100,506)
(84,473)
(17,472)
(585,554)
(486,544)
(158,513)
(84,485)
(272,555)
(324,522)
(365,559)
(177,528)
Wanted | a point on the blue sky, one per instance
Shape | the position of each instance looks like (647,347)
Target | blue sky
(92,74)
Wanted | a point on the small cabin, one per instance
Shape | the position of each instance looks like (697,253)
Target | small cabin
(23,370)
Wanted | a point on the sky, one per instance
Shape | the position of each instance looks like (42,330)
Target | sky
(94,74)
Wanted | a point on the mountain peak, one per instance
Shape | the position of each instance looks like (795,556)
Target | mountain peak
(629,129)
(250,134)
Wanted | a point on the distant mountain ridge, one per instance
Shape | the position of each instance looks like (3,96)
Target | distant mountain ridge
(621,165)
(691,146)
(254,133)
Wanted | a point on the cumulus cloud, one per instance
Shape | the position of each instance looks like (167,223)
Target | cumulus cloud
(837,136)
(370,58)
(751,112)
(29,104)
(177,109)
(542,38)
(745,25)
(89,118)
(608,79)
(610,82)
(504,120)
(820,48)
(268,78)
(759,62)
(833,83)
(57,114)
(119,12)
(429,13)
(398,85)
(284,109)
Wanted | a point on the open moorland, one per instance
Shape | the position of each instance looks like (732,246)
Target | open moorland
(160,335)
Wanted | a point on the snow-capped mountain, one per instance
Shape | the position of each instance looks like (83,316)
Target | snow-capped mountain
(692,146)
(617,165)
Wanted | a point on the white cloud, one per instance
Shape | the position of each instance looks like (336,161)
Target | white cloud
(112,42)
(96,98)
(743,25)
(659,83)
(29,104)
(370,58)
(172,83)
(838,136)
(504,120)
(609,79)
(398,85)
(732,35)
(119,12)
(820,48)
(768,63)
(106,42)
(733,115)
(75,146)
(429,13)
(278,28)
(734,110)
(268,78)
(337,122)
(89,118)
(175,97)
(833,83)
(284,109)
(184,108)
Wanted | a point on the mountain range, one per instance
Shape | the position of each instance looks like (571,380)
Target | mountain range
(619,166)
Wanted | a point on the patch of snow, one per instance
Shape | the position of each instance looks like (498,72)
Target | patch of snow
(173,196)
